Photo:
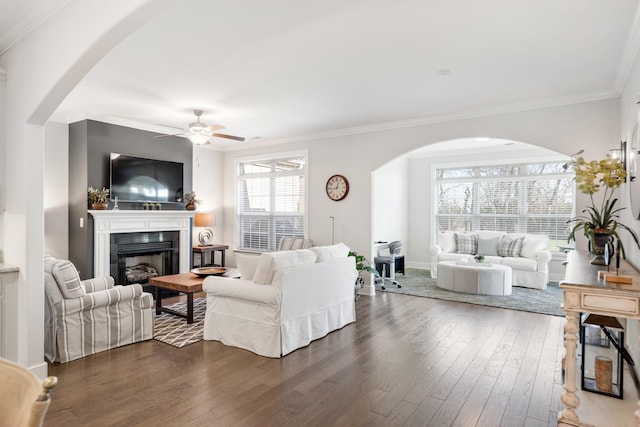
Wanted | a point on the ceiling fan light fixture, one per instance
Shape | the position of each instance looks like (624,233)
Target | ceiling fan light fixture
(199,138)
(200,133)
(199,127)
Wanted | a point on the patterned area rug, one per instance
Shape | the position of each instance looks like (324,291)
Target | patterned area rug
(174,330)
(418,282)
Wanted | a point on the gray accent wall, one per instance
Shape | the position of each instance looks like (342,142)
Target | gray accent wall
(90,146)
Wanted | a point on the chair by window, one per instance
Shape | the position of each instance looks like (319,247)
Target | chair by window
(388,262)
(293,243)
(24,399)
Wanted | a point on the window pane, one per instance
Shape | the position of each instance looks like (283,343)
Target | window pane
(540,201)
(499,171)
(271,204)
(499,197)
(455,173)
(455,198)
(547,168)
(551,196)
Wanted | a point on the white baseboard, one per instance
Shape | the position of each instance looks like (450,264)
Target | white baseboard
(420,265)
(368,289)
(555,277)
(41,370)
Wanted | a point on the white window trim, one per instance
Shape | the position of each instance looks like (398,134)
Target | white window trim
(236,195)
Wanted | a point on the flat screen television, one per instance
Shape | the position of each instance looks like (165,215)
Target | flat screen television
(136,179)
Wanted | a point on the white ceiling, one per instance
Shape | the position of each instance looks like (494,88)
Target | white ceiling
(286,69)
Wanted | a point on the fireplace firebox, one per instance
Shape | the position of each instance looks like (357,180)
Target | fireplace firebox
(136,257)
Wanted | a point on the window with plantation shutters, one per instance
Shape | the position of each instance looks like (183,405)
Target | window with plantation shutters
(271,201)
(524,198)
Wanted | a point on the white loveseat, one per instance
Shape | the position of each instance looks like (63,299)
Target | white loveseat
(283,300)
(529,259)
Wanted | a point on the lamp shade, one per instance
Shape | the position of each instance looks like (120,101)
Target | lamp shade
(205,219)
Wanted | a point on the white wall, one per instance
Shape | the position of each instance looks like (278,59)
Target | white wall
(41,70)
(420,206)
(390,202)
(566,129)
(629,117)
(208,173)
(3,158)
(56,190)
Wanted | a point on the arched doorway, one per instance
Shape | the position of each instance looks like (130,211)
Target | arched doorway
(403,196)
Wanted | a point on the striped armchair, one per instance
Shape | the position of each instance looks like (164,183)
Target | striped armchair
(84,317)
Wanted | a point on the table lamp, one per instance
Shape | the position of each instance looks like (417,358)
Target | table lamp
(205,219)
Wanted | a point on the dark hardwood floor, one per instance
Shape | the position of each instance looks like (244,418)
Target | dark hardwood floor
(407,361)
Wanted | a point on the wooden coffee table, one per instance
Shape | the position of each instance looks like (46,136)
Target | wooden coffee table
(187,283)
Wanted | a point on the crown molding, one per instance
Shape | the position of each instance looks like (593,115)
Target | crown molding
(27,21)
(450,117)
(120,121)
(378,127)
(629,54)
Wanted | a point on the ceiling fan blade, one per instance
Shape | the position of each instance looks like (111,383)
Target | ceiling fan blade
(169,126)
(164,136)
(216,127)
(222,135)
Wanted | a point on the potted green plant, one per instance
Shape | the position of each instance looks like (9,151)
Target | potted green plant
(99,198)
(362,264)
(599,222)
(191,201)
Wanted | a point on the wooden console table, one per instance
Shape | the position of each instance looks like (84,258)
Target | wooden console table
(584,292)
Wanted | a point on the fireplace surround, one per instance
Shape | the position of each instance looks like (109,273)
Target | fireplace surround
(148,223)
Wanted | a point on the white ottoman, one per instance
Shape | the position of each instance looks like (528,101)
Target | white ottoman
(474,278)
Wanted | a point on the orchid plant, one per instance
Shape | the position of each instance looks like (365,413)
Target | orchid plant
(591,177)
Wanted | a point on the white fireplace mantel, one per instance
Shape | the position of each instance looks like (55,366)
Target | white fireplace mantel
(107,222)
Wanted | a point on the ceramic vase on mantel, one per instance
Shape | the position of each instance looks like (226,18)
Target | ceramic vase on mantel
(601,246)
(190,206)
(99,206)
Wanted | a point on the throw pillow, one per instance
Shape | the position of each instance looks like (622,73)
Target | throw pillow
(247,265)
(488,245)
(325,253)
(68,279)
(466,243)
(510,247)
(533,244)
(447,241)
(270,262)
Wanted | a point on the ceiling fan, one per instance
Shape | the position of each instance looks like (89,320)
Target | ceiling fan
(200,133)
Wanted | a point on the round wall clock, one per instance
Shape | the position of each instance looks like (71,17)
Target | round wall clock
(337,187)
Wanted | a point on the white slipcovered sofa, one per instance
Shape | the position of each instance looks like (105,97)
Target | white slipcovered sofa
(283,300)
(526,254)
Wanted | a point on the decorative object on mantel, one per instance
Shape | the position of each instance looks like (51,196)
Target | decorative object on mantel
(99,198)
(190,200)
(205,219)
(600,223)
